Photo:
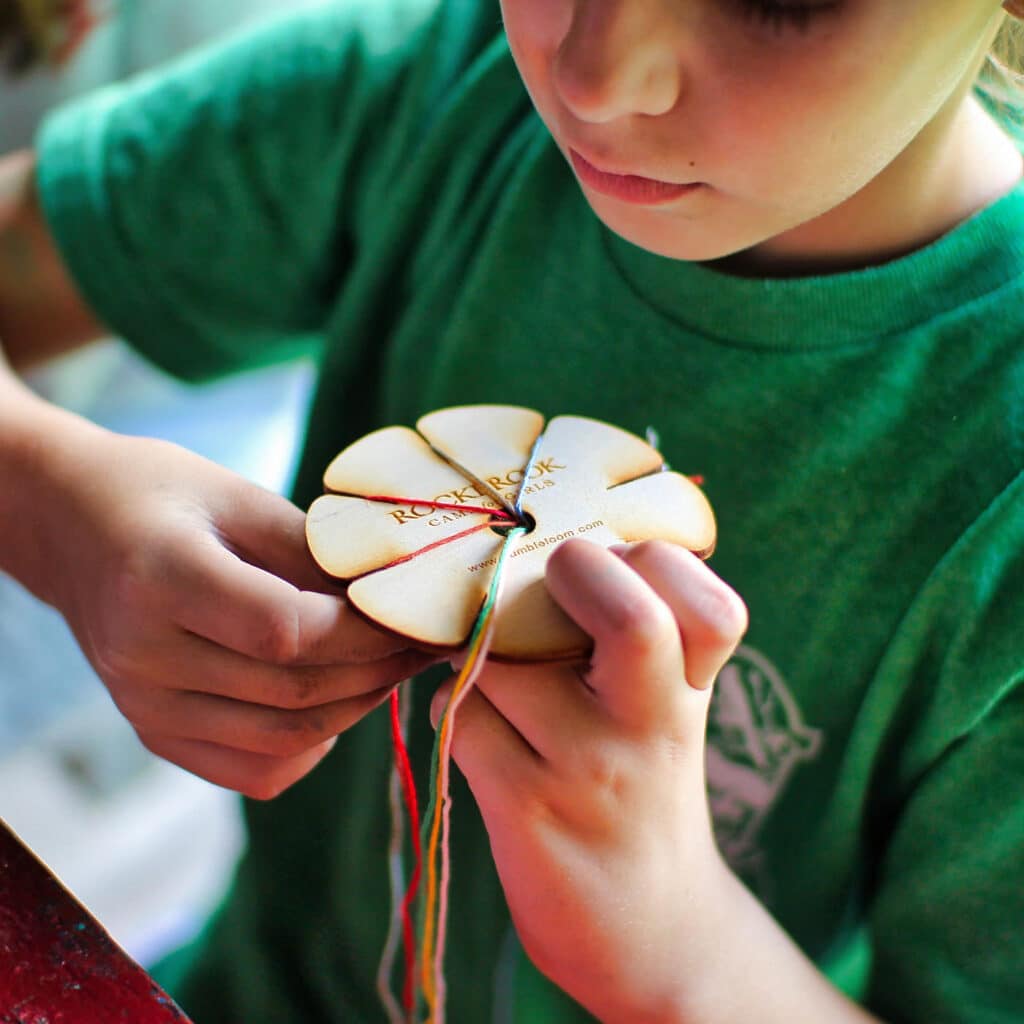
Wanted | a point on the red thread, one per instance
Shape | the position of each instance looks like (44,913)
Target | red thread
(436,544)
(697,479)
(409,793)
(499,512)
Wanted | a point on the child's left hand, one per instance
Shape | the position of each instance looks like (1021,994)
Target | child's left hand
(591,779)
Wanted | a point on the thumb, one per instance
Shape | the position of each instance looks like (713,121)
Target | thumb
(269,532)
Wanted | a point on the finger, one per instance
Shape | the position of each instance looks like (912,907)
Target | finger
(215,594)
(637,663)
(252,728)
(254,775)
(268,531)
(550,706)
(710,614)
(221,672)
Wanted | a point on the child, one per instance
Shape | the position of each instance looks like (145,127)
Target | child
(804,271)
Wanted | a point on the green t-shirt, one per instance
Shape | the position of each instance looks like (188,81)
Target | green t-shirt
(368,183)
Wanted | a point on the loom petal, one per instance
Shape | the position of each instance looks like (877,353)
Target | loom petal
(394,460)
(492,442)
(349,536)
(435,597)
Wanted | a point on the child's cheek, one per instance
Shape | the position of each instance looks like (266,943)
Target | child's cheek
(535,30)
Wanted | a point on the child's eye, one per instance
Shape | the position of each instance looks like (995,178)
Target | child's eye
(782,14)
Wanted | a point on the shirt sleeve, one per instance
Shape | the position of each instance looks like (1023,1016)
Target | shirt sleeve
(205,209)
(946,915)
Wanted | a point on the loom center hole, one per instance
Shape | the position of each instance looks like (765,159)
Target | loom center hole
(525,520)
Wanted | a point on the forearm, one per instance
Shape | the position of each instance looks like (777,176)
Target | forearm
(36,440)
(746,968)
(41,315)
(41,312)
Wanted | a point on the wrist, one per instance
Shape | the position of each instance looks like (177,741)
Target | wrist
(37,440)
(727,926)
(693,966)
(655,965)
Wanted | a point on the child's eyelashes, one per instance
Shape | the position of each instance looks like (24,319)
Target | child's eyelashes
(780,15)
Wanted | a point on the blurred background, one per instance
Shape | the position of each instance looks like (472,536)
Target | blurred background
(147,847)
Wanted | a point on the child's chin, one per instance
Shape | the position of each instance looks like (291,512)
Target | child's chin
(667,232)
(684,245)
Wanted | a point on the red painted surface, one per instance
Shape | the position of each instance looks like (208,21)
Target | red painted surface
(57,964)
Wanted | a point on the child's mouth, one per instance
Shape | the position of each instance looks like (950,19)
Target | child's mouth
(630,188)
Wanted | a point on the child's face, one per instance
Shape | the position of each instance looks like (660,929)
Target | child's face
(777,111)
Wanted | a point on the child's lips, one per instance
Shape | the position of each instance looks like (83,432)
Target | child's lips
(630,188)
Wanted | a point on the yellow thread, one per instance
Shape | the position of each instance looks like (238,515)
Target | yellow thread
(427,956)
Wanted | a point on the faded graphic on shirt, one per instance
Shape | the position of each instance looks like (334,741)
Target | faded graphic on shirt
(756,738)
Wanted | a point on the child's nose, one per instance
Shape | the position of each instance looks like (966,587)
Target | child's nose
(618,58)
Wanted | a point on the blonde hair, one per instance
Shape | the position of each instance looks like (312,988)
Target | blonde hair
(33,32)
(1000,84)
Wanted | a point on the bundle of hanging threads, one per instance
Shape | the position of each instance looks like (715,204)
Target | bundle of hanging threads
(424,971)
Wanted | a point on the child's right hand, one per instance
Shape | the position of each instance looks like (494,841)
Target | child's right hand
(192,594)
